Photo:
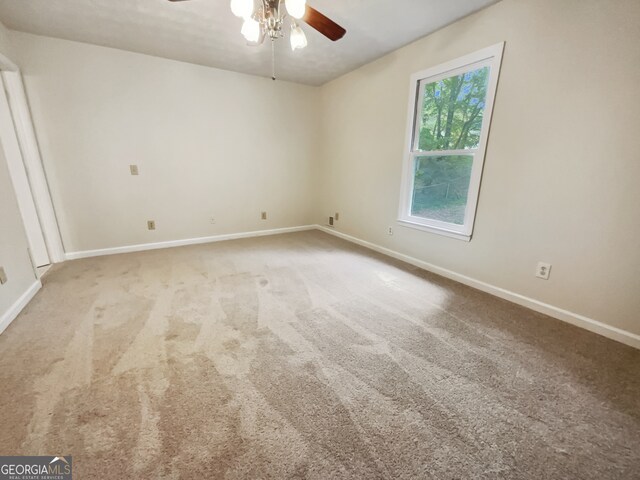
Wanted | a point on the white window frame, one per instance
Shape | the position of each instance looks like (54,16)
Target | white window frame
(491,57)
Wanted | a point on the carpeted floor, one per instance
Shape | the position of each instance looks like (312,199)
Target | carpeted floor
(303,356)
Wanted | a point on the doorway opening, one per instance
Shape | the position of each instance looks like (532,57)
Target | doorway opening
(21,152)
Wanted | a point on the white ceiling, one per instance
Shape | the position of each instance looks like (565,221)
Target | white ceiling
(206,32)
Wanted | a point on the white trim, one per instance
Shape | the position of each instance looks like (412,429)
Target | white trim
(20,182)
(15,309)
(33,164)
(433,229)
(491,57)
(614,333)
(444,153)
(179,243)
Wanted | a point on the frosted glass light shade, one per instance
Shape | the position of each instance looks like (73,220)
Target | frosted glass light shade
(242,8)
(251,30)
(296,8)
(297,37)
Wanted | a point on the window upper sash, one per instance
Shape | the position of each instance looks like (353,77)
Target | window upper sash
(420,95)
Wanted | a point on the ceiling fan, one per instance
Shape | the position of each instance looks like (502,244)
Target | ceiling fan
(268,19)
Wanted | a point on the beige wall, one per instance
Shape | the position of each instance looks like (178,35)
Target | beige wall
(562,169)
(208,143)
(5,40)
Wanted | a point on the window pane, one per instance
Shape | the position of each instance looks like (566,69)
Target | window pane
(440,187)
(452,110)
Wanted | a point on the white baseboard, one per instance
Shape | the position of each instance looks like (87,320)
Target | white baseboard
(15,309)
(179,243)
(576,319)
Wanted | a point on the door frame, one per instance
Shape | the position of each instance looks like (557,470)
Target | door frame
(32,166)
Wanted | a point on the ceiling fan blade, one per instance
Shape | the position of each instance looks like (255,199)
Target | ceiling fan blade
(324,25)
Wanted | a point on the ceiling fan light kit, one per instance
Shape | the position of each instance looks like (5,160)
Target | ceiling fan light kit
(242,8)
(297,37)
(268,18)
(296,8)
(251,30)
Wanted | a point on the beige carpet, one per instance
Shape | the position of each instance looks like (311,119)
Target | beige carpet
(302,356)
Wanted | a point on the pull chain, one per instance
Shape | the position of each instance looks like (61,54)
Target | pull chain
(273,59)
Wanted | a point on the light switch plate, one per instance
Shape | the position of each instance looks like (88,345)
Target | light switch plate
(3,276)
(151,224)
(133,169)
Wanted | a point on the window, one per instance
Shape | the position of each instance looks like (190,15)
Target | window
(449,115)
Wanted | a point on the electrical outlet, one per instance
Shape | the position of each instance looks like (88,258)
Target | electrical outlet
(264,215)
(390,231)
(331,221)
(133,169)
(212,221)
(151,224)
(543,270)
(3,276)
(336,216)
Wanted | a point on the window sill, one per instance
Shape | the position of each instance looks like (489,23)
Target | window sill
(439,231)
